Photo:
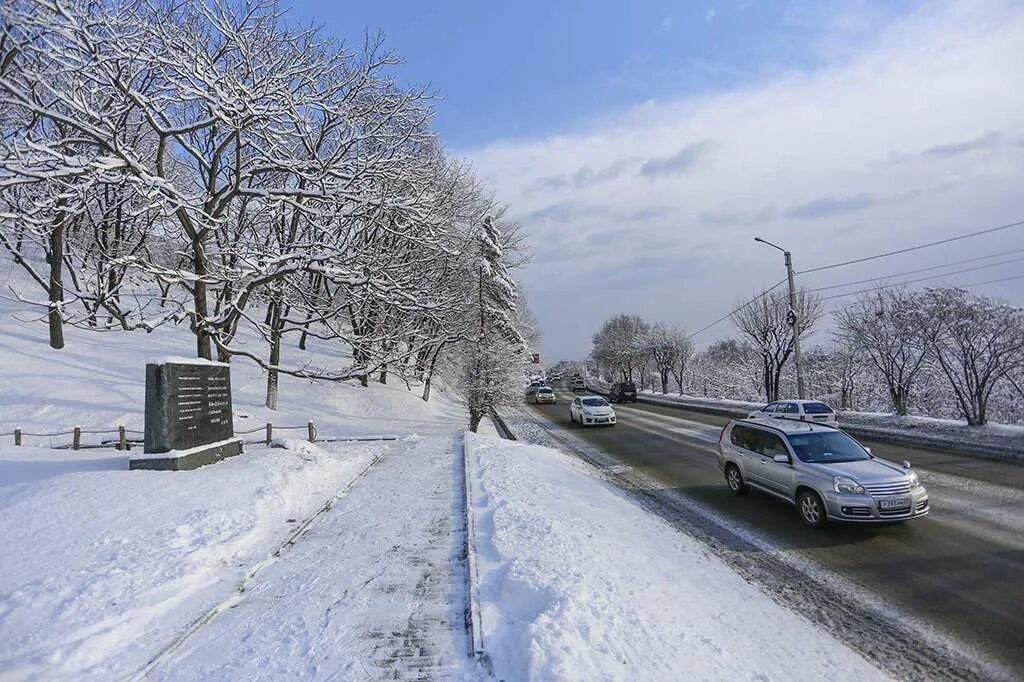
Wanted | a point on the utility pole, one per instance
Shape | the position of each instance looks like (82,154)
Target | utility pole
(794,317)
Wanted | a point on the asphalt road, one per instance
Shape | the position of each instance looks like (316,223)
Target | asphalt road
(960,569)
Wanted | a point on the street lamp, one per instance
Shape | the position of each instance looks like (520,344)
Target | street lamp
(793,316)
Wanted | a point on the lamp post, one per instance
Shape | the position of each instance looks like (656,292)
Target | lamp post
(794,316)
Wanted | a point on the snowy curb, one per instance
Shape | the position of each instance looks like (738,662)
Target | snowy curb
(882,434)
(473,617)
(503,430)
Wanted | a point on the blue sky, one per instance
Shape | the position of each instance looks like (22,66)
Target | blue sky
(642,146)
(527,68)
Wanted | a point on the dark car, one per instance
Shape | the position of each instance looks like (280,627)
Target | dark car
(622,392)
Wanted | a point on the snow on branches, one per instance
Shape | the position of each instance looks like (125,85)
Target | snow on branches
(215,165)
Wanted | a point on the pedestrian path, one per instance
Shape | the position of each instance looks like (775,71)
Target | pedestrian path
(375,590)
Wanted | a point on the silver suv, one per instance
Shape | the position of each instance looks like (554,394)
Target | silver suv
(820,469)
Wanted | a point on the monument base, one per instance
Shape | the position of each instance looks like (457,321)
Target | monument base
(181,460)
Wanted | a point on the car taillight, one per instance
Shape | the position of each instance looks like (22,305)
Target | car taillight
(721,434)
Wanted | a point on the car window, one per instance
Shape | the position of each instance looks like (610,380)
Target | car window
(772,445)
(817,408)
(770,408)
(822,447)
(788,408)
(745,437)
(594,402)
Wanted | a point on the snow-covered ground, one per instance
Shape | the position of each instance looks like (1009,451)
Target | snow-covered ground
(614,593)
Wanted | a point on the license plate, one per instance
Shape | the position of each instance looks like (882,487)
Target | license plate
(893,504)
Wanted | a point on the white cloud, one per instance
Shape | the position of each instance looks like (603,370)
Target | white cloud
(709,15)
(917,134)
(666,24)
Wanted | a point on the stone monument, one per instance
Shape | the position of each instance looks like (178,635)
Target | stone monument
(188,416)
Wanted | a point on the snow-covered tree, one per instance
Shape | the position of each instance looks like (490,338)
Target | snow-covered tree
(879,324)
(976,341)
(495,355)
(670,349)
(765,321)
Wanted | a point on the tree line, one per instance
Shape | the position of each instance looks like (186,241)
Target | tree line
(216,166)
(944,352)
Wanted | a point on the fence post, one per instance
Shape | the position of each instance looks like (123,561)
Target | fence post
(270,432)
(77,438)
(17,436)
(312,432)
(122,438)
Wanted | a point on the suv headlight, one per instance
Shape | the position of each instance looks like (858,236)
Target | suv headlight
(914,480)
(842,484)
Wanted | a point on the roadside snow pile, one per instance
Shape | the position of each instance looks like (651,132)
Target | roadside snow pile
(103,566)
(579,583)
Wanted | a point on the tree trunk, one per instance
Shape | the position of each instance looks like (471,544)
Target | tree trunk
(664,382)
(474,419)
(275,354)
(56,284)
(199,261)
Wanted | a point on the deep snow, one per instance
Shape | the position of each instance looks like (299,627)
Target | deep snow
(615,593)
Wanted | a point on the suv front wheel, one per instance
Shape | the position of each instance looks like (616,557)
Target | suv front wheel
(811,509)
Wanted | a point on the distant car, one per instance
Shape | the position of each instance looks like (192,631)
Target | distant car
(622,392)
(544,394)
(821,470)
(591,410)
(532,389)
(801,410)
(578,384)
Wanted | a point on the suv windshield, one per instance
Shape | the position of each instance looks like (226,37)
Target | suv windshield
(817,408)
(594,402)
(544,391)
(826,447)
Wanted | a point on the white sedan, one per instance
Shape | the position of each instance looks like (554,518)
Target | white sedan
(590,410)
(800,410)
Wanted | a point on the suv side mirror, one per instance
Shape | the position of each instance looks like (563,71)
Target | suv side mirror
(781,459)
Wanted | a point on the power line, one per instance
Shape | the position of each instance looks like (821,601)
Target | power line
(934,267)
(897,284)
(725,317)
(989,230)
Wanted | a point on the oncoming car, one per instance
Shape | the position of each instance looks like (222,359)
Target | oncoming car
(544,395)
(578,384)
(801,410)
(821,470)
(591,410)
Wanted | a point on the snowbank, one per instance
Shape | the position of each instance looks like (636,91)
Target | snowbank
(579,583)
